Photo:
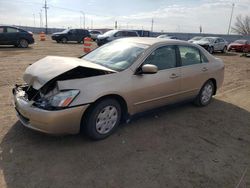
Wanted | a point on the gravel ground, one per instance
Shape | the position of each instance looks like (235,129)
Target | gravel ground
(175,146)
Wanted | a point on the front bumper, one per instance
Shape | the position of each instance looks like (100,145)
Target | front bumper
(58,122)
(206,47)
(101,42)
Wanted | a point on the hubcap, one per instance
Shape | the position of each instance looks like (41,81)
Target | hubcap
(106,119)
(207,93)
(23,43)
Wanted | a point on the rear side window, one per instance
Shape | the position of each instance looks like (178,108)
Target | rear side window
(163,57)
(221,40)
(12,30)
(189,55)
(1,29)
(132,34)
(203,58)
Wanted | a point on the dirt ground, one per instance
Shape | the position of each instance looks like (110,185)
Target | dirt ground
(175,146)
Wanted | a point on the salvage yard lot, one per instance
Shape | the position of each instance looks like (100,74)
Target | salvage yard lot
(175,146)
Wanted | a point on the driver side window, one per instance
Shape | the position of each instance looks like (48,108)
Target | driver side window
(163,57)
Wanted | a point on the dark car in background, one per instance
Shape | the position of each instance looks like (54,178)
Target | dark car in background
(10,35)
(77,35)
(239,46)
(115,34)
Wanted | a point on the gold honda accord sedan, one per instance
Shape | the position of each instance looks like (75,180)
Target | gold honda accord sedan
(94,93)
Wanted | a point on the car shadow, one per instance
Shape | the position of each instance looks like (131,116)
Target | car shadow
(10,47)
(68,43)
(174,146)
(226,54)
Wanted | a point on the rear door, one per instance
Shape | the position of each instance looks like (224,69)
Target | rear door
(217,45)
(222,43)
(194,71)
(154,90)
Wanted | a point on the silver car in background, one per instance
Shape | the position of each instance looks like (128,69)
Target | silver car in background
(212,44)
(94,34)
(195,39)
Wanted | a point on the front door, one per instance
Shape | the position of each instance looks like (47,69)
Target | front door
(154,90)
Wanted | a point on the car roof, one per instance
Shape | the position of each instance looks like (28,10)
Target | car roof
(152,40)
(213,37)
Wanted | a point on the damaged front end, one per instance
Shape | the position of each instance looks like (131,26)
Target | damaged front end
(50,96)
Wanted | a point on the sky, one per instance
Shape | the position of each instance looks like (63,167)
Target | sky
(168,15)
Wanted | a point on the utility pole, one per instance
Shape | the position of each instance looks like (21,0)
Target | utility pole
(152,25)
(80,22)
(115,24)
(229,27)
(46,19)
(83,15)
(34,20)
(41,18)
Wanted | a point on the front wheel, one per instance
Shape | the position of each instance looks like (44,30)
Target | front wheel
(23,43)
(211,49)
(103,118)
(205,95)
(64,40)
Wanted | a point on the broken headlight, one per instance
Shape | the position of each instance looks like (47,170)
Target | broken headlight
(60,100)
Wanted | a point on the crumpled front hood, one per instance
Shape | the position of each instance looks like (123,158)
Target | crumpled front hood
(201,42)
(42,71)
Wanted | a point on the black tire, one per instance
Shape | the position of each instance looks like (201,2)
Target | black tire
(64,40)
(211,49)
(57,41)
(224,49)
(80,41)
(92,117)
(199,100)
(23,43)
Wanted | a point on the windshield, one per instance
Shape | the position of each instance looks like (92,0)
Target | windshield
(207,39)
(116,55)
(66,31)
(110,33)
(163,36)
(240,41)
(197,38)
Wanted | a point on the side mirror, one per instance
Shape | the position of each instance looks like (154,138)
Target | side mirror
(149,69)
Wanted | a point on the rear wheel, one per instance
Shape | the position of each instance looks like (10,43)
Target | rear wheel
(23,43)
(205,95)
(103,118)
(224,50)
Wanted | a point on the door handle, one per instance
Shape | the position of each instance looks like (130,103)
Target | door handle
(173,76)
(204,69)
